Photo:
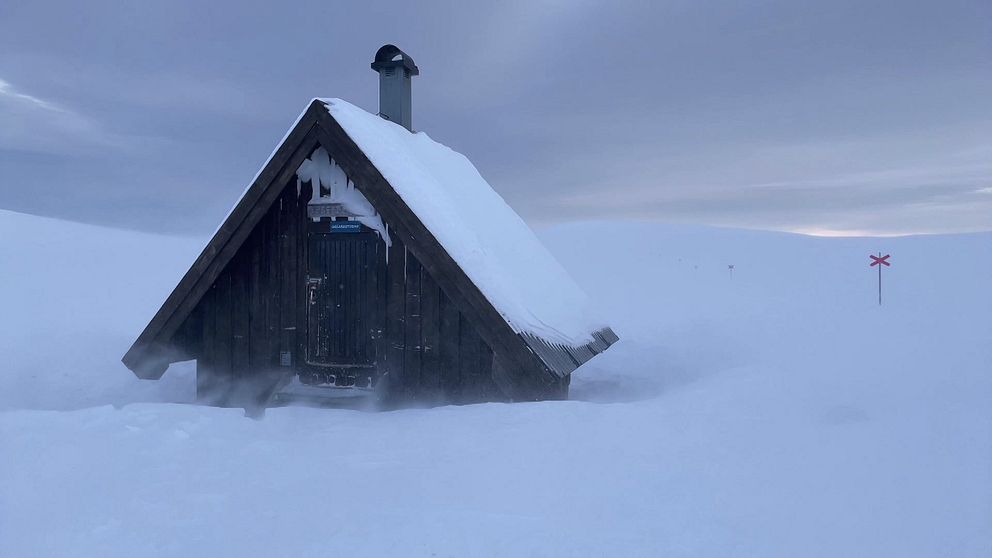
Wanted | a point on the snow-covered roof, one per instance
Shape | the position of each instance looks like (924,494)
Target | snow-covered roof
(486,238)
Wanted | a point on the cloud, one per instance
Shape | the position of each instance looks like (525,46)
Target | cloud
(6,90)
(841,117)
(883,185)
(34,124)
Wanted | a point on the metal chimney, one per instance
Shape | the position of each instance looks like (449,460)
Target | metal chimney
(395,69)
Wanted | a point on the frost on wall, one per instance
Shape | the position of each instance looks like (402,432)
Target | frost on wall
(331,186)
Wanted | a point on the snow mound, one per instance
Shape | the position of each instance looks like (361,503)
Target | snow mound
(73,298)
(780,412)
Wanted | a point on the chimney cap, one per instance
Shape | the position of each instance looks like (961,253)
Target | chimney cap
(389,56)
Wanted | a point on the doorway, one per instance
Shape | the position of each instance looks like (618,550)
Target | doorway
(344,290)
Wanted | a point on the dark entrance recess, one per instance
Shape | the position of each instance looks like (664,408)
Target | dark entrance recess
(345,284)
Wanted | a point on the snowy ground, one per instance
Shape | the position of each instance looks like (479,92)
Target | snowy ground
(777,413)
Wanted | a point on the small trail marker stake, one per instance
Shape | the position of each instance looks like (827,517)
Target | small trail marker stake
(876,261)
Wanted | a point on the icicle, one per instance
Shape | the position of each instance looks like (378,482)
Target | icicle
(320,170)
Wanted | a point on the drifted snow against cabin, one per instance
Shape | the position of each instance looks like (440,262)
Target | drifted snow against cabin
(367,257)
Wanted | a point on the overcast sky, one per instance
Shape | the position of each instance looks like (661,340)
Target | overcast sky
(829,117)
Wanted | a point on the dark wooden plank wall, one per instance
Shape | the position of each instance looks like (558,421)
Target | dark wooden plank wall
(256,309)
(434,355)
(248,315)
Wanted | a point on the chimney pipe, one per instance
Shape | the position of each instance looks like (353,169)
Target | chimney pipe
(395,69)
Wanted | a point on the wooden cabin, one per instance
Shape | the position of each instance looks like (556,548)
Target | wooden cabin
(368,258)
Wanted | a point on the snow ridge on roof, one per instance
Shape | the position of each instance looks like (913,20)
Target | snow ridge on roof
(488,240)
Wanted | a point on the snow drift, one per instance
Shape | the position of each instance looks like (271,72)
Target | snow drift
(780,412)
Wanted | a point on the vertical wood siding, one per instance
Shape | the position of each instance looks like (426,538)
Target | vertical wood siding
(256,309)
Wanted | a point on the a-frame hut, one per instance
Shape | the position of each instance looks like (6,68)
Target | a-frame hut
(369,258)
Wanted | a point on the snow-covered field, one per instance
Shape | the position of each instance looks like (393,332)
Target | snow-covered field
(779,412)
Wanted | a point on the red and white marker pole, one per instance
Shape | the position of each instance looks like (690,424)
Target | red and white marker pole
(879,261)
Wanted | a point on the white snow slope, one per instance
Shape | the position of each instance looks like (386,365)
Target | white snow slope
(777,413)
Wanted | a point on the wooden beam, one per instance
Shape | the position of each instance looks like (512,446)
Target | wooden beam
(238,270)
(288,266)
(302,258)
(430,323)
(448,357)
(395,319)
(469,346)
(412,322)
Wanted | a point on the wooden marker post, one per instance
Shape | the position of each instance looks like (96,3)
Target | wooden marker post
(875,261)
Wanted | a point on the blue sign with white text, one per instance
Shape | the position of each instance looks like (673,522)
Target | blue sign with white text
(346,227)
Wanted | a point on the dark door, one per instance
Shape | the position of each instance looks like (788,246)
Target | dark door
(344,276)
